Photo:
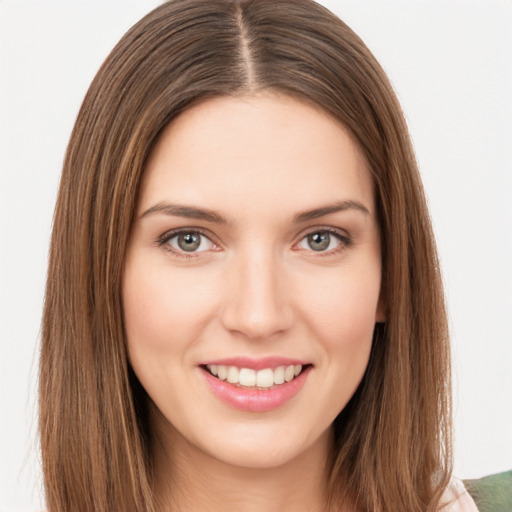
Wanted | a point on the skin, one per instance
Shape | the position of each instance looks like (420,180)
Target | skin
(255,287)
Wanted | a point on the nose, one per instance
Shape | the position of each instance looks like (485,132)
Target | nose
(257,304)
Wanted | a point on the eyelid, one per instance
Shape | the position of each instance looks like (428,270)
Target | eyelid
(168,235)
(342,235)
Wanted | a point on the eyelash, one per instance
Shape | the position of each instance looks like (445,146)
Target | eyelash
(169,235)
(162,241)
(343,238)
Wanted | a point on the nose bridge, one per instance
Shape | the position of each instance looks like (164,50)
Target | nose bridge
(258,306)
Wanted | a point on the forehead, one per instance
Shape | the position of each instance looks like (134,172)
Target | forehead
(267,151)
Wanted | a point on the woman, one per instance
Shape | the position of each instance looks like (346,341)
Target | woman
(244,308)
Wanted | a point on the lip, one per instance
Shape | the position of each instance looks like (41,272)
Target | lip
(256,364)
(250,399)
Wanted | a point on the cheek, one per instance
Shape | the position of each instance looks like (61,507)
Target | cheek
(343,319)
(344,309)
(160,310)
(161,296)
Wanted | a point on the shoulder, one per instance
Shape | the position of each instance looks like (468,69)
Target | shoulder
(457,499)
(492,493)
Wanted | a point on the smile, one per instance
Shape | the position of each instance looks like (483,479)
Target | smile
(255,386)
(265,378)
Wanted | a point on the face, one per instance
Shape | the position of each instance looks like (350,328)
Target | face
(252,278)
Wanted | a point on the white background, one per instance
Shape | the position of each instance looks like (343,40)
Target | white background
(451,64)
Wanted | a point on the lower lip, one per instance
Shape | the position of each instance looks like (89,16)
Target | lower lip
(255,400)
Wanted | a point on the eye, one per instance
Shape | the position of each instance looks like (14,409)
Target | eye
(188,242)
(323,241)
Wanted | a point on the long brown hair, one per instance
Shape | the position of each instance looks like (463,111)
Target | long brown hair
(392,441)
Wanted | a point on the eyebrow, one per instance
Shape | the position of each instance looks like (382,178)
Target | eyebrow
(192,212)
(189,212)
(332,208)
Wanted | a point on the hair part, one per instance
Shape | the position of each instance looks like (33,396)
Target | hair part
(393,440)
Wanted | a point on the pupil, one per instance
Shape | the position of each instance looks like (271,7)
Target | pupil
(319,241)
(189,241)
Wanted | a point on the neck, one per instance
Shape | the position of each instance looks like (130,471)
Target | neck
(189,480)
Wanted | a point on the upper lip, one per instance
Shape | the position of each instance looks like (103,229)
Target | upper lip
(256,364)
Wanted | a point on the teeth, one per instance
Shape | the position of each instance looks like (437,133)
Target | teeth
(279,375)
(222,372)
(247,377)
(232,375)
(265,378)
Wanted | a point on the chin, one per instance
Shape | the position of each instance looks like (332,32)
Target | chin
(256,447)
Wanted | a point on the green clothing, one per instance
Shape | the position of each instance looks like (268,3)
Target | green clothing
(492,493)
